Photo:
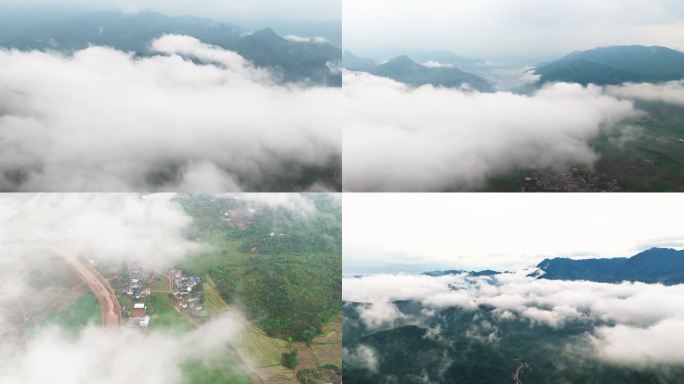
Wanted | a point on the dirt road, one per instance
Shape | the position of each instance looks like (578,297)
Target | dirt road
(109,304)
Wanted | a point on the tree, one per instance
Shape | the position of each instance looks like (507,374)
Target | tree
(289,360)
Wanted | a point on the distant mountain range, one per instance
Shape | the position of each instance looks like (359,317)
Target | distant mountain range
(656,265)
(404,69)
(486,272)
(601,66)
(297,61)
(615,65)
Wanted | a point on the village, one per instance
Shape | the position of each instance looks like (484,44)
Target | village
(142,294)
(574,180)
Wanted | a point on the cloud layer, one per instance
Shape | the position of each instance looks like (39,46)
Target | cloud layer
(671,92)
(107,227)
(431,139)
(196,117)
(108,356)
(647,318)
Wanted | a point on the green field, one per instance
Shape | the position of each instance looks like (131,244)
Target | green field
(163,316)
(84,311)
(160,283)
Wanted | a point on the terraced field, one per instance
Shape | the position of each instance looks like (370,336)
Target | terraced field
(324,350)
(327,348)
(258,349)
(213,302)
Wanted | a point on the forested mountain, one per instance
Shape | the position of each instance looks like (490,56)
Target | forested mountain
(455,345)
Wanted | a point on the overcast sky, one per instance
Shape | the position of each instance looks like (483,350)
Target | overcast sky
(499,30)
(419,232)
(229,10)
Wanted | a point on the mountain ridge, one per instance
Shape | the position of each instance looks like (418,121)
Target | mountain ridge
(654,265)
(615,65)
(301,62)
(405,70)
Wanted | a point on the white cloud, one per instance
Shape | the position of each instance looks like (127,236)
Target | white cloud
(432,139)
(436,64)
(671,92)
(648,317)
(103,120)
(300,39)
(529,76)
(379,315)
(108,227)
(660,343)
(295,202)
(362,356)
(114,355)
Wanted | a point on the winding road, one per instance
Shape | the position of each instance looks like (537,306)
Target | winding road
(516,375)
(109,304)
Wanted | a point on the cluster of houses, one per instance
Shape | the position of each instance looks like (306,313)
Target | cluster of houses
(136,290)
(187,289)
